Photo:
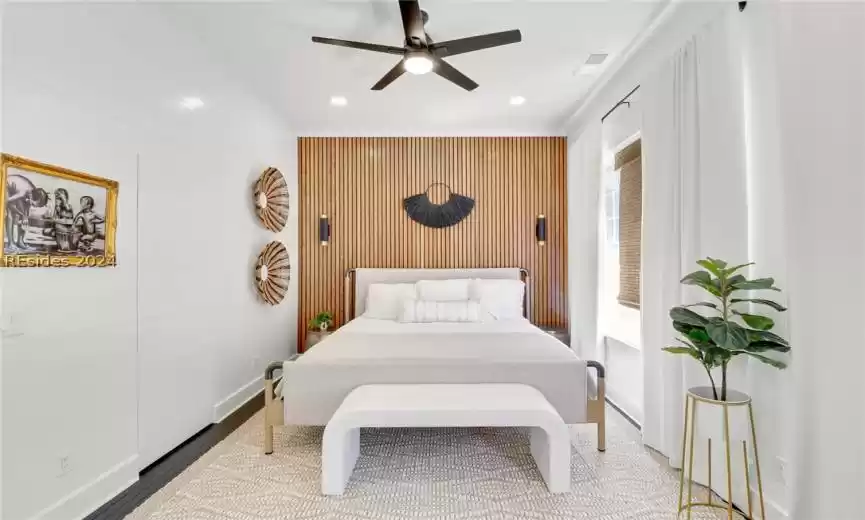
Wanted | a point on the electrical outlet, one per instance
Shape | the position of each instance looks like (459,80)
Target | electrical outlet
(63,466)
(784,471)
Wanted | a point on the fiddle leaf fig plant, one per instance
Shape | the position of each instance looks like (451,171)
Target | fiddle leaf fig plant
(726,327)
(321,321)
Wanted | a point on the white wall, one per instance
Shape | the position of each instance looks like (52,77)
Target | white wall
(821,74)
(678,23)
(113,367)
(2,12)
(624,365)
(767,244)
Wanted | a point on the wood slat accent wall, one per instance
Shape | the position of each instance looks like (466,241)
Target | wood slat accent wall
(360,183)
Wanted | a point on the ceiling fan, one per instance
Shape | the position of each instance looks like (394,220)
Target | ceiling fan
(420,54)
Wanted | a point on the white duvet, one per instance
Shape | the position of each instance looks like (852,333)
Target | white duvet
(368,351)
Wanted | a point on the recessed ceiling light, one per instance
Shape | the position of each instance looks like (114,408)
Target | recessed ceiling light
(517,100)
(338,101)
(191,103)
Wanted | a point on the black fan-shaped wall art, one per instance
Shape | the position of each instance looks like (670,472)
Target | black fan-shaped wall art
(425,212)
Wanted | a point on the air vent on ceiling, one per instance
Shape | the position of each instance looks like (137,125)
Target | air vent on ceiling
(596,59)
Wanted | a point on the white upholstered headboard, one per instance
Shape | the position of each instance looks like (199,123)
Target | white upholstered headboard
(357,281)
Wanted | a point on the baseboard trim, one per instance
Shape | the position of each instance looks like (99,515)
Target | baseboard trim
(624,414)
(238,398)
(90,497)
(773,510)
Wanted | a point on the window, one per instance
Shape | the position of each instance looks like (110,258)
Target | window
(611,209)
(630,219)
(619,320)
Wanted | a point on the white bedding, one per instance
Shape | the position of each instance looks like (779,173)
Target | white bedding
(369,351)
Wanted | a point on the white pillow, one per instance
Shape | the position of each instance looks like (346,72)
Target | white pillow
(422,311)
(443,290)
(384,300)
(501,298)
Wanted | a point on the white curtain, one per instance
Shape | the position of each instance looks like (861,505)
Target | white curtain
(694,205)
(584,192)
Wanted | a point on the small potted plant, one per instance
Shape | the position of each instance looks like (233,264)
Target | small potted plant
(321,321)
(724,330)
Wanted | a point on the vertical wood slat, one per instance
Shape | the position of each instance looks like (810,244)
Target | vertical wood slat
(360,184)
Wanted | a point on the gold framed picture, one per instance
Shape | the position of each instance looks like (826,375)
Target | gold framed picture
(55,217)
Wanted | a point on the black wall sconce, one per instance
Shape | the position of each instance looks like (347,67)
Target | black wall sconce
(541,230)
(324,230)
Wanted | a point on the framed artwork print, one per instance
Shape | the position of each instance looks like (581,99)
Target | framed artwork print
(55,217)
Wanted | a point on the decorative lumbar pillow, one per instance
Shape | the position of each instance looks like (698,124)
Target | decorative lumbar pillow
(444,290)
(420,311)
(502,298)
(384,300)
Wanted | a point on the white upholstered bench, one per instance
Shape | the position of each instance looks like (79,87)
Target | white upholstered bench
(445,405)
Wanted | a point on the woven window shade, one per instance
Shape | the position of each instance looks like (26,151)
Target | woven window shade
(629,164)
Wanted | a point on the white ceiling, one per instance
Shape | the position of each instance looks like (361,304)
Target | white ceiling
(267,46)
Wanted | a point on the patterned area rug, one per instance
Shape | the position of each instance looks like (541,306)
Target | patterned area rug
(444,473)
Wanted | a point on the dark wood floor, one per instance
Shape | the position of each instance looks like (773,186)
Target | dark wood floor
(161,472)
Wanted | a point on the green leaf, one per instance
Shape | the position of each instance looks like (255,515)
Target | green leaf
(687,350)
(687,316)
(727,334)
(764,335)
(775,305)
(756,285)
(718,263)
(710,266)
(678,350)
(698,335)
(737,279)
(704,280)
(731,270)
(756,321)
(702,304)
(717,356)
(764,346)
(765,359)
(696,278)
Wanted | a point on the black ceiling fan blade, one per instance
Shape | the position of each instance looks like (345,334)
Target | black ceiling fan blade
(448,72)
(397,71)
(476,43)
(387,49)
(412,23)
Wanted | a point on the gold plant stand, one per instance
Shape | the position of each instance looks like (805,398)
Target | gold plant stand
(703,394)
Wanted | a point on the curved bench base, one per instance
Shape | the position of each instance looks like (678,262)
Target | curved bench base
(495,405)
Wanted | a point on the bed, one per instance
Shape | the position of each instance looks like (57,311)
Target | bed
(375,351)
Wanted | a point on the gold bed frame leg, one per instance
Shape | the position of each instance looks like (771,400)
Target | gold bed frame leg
(596,408)
(268,427)
(272,410)
(602,420)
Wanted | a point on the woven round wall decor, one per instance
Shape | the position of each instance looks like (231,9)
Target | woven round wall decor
(271,199)
(272,272)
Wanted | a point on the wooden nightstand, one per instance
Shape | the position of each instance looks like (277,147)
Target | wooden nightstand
(315,337)
(560,334)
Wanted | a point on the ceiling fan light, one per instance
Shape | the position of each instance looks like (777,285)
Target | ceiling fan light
(418,63)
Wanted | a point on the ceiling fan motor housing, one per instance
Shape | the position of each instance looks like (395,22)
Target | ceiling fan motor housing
(420,54)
